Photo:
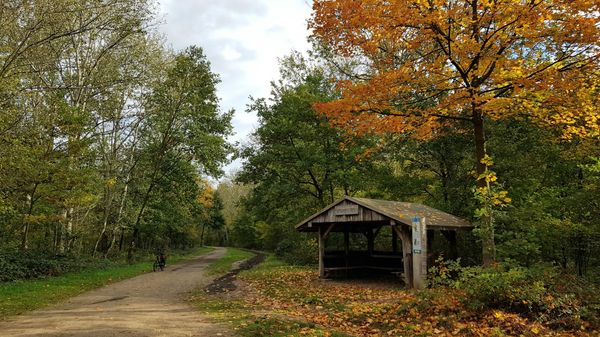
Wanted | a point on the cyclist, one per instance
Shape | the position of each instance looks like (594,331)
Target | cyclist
(161,259)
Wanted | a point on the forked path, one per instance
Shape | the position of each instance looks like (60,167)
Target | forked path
(148,305)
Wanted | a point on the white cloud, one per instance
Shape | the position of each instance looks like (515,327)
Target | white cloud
(243,40)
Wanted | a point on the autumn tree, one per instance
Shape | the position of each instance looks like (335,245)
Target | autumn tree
(422,65)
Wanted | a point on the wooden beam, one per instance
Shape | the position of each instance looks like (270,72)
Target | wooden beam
(346,241)
(394,241)
(404,233)
(370,241)
(346,248)
(377,232)
(326,234)
(321,252)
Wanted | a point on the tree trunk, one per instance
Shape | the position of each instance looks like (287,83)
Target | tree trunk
(31,199)
(202,235)
(104,219)
(136,226)
(487,226)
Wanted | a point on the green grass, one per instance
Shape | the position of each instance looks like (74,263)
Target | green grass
(269,264)
(22,296)
(223,265)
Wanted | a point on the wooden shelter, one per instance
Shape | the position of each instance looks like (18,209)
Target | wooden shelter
(412,223)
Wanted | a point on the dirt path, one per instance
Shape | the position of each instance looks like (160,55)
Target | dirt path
(149,305)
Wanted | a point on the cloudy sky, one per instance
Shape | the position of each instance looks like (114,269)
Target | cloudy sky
(243,40)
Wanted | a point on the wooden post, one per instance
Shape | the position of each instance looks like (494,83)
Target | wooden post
(394,241)
(346,240)
(321,252)
(370,241)
(419,240)
(346,248)
(404,234)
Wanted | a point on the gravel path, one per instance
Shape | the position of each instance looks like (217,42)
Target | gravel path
(148,305)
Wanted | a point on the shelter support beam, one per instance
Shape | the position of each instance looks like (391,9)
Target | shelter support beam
(346,247)
(370,241)
(328,230)
(321,252)
(394,241)
(404,233)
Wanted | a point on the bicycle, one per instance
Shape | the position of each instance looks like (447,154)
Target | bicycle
(159,263)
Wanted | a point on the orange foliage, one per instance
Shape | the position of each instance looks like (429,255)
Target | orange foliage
(431,61)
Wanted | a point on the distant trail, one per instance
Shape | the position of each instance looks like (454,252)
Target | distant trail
(149,305)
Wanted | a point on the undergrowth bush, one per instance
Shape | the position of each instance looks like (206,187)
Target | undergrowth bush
(29,265)
(541,292)
(298,251)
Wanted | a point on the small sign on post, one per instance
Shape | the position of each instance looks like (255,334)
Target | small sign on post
(416,235)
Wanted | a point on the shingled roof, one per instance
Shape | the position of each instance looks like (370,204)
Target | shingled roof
(401,212)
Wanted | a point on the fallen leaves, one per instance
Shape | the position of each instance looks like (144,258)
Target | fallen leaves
(361,309)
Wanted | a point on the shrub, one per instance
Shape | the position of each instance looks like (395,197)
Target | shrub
(297,250)
(513,289)
(28,265)
(540,292)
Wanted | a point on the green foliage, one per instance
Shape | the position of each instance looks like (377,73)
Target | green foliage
(106,135)
(244,233)
(298,249)
(28,265)
(539,292)
(296,162)
(444,273)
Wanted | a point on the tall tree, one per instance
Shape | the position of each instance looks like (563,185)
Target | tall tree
(183,123)
(425,64)
(295,153)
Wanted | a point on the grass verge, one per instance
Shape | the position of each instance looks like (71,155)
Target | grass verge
(223,265)
(22,296)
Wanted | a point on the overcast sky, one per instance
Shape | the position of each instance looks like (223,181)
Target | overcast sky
(243,40)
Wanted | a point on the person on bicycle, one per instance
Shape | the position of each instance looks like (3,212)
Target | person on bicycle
(159,261)
(161,258)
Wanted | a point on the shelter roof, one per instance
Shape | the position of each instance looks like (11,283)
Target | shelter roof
(401,212)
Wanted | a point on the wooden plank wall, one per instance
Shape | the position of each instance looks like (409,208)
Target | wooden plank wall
(347,211)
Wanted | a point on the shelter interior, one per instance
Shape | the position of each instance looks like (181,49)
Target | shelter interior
(358,233)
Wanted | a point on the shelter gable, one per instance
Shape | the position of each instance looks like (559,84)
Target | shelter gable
(348,211)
